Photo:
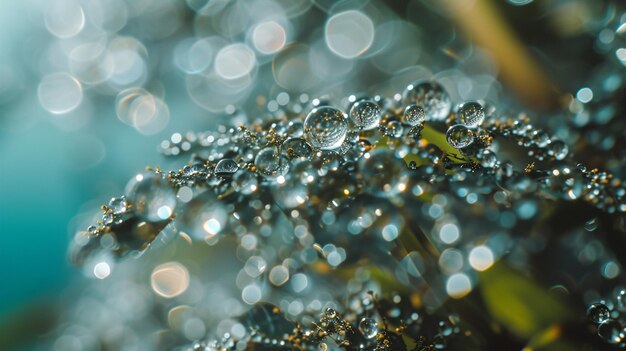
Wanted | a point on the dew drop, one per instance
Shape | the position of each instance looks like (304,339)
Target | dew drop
(245,182)
(459,136)
(325,128)
(226,167)
(152,198)
(558,149)
(384,175)
(365,114)
(368,327)
(297,148)
(431,96)
(598,313)
(611,331)
(270,163)
(471,114)
(414,115)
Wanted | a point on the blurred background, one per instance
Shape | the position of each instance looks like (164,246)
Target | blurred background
(90,89)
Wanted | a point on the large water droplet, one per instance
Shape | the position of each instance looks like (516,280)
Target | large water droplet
(459,136)
(598,313)
(431,96)
(297,148)
(611,331)
(368,327)
(471,114)
(414,115)
(226,167)
(203,217)
(325,128)
(245,182)
(270,163)
(152,198)
(365,114)
(383,174)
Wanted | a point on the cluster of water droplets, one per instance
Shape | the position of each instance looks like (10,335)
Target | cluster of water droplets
(314,185)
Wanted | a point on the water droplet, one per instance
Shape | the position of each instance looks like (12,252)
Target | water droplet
(541,138)
(226,167)
(330,313)
(368,327)
(558,149)
(384,175)
(203,217)
(270,163)
(394,129)
(611,331)
(245,182)
(365,114)
(297,148)
(432,97)
(118,205)
(459,136)
(487,158)
(152,198)
(414,115)
(471,114)
(598,313)
(295,129)
(325,128)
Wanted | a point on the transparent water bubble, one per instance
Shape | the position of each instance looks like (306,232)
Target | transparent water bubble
(414,115)
(203,217)
(365,114)
(558,149)
(394,129)
(297,148)
(459,136)
(541,138)
(611,331)
(598,313)
(471,114)
(383,174)
(325,128)
(151,196)
(226,167)
(431,96)
(118,205)
(487,158)
(270,163)
(245,182)
(368,327)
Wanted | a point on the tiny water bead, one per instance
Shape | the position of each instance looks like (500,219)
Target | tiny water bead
(368,327)
(598,313)
(365,114)
(431,96)
(459,136)
(471,114)
(325,128)
(414,115)
(151,196)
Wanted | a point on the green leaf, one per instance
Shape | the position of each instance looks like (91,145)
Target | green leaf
(519,304)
